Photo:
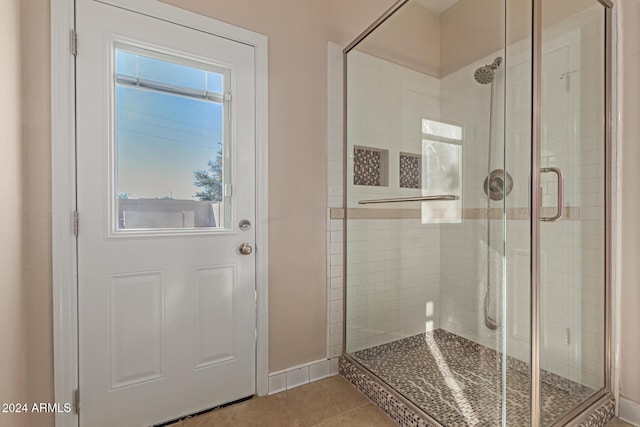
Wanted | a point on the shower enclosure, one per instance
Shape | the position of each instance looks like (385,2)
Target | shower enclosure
(477,212)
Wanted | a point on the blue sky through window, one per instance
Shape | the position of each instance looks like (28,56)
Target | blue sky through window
(163,138)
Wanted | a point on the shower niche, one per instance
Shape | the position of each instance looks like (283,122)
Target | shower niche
(471,299)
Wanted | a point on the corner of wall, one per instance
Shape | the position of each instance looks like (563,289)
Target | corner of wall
(13,351)
(36,140)
(629,411)
(629,151)
(335,258)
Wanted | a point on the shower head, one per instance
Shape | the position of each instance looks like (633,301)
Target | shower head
(484,75)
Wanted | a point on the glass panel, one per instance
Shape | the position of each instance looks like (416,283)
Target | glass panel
(517,159)
(426,280)
(171,150)
(572,249)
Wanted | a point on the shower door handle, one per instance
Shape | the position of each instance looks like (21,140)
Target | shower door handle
(560,211)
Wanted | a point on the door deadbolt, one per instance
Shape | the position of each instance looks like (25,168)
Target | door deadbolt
(244,224)
(246,249)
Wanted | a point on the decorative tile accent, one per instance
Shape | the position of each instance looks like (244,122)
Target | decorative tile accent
(394,408)
(601,415)
(459,382)
(410,170)
(369,167)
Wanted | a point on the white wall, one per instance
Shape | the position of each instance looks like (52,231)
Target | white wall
(629,315)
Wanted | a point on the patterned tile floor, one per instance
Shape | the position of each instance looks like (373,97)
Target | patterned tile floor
(459,382)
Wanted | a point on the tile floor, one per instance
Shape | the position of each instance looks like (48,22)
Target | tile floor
(618,423)
(459,382)
(332,402)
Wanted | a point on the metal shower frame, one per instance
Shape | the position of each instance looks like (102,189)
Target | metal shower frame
(603,395)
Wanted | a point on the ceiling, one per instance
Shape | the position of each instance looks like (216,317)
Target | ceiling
(437,6)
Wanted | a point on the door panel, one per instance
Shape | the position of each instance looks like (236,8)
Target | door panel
(137,353)
(215,310)
(167,303)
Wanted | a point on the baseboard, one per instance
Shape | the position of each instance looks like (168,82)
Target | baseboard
(295,376)
(629,411)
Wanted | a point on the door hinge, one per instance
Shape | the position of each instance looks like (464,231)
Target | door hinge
(74,42)
(75,223)
(227,96)
(76,401)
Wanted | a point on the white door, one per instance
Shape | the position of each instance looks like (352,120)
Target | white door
(166,175)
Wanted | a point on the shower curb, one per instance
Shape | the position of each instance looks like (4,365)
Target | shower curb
(600,416)
(402,414)
(405,416)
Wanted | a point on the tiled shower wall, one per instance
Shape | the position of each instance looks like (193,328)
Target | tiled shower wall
(394,264)
(335,156)
(572,258)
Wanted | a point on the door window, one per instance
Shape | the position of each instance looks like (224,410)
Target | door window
(171,150)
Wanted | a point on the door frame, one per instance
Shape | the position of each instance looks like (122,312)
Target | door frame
(63,185)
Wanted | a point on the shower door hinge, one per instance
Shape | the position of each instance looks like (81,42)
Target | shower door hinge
(74,42)
(76,401)
(75,223)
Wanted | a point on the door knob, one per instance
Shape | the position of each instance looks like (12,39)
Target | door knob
(246,249)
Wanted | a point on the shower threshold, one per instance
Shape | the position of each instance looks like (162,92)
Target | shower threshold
(457,382)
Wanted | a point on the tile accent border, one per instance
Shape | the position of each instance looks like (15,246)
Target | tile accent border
(600,416)
(570,213)
(399,412)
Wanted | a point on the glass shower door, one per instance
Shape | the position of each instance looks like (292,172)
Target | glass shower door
(572,229)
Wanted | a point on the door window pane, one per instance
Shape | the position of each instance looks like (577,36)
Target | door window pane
(171,155)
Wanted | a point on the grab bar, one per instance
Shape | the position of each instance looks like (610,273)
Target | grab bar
(560,211)
(411,199)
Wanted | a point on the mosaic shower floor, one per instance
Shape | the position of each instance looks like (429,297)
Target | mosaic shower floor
(459,382)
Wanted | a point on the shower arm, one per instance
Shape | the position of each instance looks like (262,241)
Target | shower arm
(447,197)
